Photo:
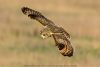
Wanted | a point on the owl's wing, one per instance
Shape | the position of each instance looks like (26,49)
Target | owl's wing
(65,33)
(63,44)
(37,16)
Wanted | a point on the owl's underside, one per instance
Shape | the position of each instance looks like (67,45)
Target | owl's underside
(60,36)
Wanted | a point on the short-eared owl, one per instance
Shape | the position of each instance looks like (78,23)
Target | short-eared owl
(60,36)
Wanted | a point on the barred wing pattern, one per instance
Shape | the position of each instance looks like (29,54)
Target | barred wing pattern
(37,16)
(59,34)
(63,44)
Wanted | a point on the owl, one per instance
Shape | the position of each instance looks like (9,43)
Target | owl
(60,36)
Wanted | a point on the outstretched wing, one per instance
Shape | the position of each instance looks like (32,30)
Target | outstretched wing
(37,16)
(63,44)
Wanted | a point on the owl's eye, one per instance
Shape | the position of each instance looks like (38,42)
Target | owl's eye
(43,34)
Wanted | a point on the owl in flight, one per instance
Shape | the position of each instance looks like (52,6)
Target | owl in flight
(60,36)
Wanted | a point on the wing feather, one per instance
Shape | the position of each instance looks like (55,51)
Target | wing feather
(37,16)
(63,44)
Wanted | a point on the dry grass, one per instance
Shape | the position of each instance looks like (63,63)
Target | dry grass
(20,43)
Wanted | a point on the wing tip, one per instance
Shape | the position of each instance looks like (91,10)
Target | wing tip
(24,9)
(68,54)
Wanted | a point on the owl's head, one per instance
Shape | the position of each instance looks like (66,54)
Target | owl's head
(45,34)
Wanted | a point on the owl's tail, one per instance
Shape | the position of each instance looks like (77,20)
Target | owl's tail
(36,15)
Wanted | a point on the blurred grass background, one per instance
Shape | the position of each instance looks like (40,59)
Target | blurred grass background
(21,44)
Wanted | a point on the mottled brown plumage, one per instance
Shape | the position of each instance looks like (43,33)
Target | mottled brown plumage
(60,36)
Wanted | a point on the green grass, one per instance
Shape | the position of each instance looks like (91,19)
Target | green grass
(47,53)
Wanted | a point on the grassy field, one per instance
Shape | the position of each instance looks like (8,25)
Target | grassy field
(22,46)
